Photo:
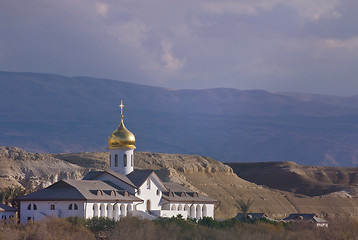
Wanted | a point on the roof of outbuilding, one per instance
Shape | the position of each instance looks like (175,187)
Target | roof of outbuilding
(4,207)
(80,190)
(305,217)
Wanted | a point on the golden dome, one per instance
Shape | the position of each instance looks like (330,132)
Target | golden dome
(121,137)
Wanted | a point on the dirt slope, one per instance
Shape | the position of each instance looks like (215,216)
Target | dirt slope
(202,174)
(218,181)
(307,180)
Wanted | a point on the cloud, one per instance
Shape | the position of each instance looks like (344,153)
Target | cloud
(277,45)
(350,44)
(101,8)
(130,33)
(307,9)
(171,62)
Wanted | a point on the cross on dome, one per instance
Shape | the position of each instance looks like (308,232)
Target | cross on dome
(121,106)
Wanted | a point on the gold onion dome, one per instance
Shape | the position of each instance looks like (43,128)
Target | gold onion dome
(121,137)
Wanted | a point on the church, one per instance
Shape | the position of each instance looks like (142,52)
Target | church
(117,192)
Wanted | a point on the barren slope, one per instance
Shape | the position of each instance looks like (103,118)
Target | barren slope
(33,170)
(307,180)
(218,181)
(202,174)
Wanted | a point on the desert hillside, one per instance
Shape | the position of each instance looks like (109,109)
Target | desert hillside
(307,180)
(218,181)
(34,170)
(202,174)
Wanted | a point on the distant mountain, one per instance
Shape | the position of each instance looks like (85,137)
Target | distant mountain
(52,113)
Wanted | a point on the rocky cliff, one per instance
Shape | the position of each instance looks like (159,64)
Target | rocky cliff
(202,174)
(34,170)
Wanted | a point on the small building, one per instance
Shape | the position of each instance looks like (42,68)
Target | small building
(7,212)
(253,217)
(308,217)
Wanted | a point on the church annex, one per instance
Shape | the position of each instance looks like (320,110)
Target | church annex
(118,192)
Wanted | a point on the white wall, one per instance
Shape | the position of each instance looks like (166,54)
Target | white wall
(149,194)
(111,210)
(5,215)
(44,209)
(193,210)
(121,168)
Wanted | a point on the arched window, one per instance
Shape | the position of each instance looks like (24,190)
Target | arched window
(148,183)
(158,192)
(125,160)
(148,205)
(70,207)
(75,206)
(116,160)
(29,207)
(110,160)
(198,211)
(131,160)
(35,207)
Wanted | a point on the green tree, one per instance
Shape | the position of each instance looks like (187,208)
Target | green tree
(244,207)
(9,194)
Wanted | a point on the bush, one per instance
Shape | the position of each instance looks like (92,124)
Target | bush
(97,224)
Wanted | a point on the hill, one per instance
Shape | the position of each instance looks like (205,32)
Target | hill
(52,113)
(307,180)
(202,174)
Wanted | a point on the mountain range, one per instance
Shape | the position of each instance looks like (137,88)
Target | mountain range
(54,114)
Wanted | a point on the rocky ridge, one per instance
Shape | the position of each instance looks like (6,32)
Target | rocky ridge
(201,174)
(34,170)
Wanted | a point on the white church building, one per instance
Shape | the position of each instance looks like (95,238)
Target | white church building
(118,192)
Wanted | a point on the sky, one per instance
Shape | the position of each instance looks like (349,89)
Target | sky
(275,45)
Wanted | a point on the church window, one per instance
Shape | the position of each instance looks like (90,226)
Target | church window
(70,207)
(131,160)
(75,206)
(116,160)
(125,160)
(148,183)
(110,160)
(29,207)
(35,207)
(158,192)
(148,205)
(52,207)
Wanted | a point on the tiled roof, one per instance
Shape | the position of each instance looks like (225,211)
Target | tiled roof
(94,174)
(80,190)
(178,193)
(138,176)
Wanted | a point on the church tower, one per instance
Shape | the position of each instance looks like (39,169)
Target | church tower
(121,146)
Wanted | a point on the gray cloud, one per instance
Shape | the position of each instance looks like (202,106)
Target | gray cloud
(277,45)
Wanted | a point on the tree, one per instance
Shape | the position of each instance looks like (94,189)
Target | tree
(244,207)
(10,193)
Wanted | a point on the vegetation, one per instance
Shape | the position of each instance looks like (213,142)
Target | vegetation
(9,194)
(244,207)
(173,228)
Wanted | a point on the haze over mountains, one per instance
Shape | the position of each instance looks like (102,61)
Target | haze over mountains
(52,113)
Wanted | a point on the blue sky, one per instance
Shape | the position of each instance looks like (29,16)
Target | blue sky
(275,45)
